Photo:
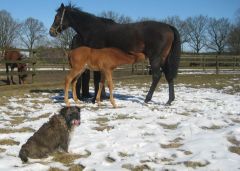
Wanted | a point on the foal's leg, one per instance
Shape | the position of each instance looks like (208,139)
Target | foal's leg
(108,75)
(71,75)
(101,84)
(74,93)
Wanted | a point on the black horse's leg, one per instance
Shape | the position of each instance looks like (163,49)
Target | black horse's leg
(78,87)
(171,91)
(85,84)
(97,77)
(7,72)
(156,75)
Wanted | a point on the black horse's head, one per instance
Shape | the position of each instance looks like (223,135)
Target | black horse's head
(60,22)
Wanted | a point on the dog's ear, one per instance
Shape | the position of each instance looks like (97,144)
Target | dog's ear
(64,111)
(78,109)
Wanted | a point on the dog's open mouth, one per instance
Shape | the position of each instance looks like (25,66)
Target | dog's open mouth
(76,122)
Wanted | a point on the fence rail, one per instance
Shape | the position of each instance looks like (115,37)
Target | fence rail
(189,62)
(202,62)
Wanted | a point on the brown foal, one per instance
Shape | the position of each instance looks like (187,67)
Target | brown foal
(104,60)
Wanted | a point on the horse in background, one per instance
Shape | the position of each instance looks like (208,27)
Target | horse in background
(162,41)
(104,60)
(15,56)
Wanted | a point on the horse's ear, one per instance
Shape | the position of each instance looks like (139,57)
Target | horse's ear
(62,5)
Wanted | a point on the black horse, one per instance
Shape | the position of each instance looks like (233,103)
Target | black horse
(159,41)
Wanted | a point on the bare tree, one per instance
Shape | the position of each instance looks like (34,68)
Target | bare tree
(32,31)
(64,40)
(122,19)
(234,35)
(196,28)
(237,17)
(8,29)
(218,30)
(181,27)
(234,40)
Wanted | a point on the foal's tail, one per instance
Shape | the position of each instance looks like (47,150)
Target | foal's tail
(171,67)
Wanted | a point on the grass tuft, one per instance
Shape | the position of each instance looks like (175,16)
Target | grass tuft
(234,149)
(8,142)
(171,145)
(20,130)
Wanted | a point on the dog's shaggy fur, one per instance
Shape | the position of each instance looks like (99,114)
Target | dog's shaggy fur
(52,135)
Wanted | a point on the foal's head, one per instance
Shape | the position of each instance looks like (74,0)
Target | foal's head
(60,22)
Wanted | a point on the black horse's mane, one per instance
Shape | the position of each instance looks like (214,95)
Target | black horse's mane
(76,10)
(70,7)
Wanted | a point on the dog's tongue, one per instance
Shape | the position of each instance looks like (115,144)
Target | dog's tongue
(76,122)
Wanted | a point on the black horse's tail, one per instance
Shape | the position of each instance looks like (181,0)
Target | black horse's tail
(171,67)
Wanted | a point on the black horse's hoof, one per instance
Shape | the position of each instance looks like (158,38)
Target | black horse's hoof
(93,100)
(87,96)
(169,102)
(146,100)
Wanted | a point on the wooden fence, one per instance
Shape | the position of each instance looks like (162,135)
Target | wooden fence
(198,62)
(194,63)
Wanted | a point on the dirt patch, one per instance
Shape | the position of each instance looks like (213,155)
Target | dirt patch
(213,127)
(9,131)
(16,120)
(2,150)
(170,126)
(136,168)
(8,142)
(68,158)
(234,141)
(65,158)
(40,117)
(171,145)
(195,164)
(235,149)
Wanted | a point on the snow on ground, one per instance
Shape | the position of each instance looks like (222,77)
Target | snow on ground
(199,131)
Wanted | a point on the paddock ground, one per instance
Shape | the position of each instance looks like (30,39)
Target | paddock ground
(199,131)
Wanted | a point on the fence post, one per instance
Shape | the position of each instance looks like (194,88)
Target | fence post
(234,62)
(217,65)
(204,63)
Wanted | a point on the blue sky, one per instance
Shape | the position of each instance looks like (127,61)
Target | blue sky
(44,10)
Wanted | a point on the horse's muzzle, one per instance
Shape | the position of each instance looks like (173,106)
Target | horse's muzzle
(53,32)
